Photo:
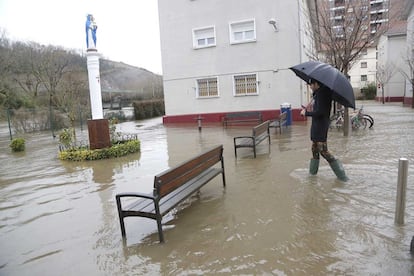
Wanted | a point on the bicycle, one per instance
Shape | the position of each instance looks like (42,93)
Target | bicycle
(361,120)
(358,119)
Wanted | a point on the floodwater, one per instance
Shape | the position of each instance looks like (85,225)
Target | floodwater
(60,218)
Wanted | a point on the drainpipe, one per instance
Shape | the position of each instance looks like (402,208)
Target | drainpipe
(300,48)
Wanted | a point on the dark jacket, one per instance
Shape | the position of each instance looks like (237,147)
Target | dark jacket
(320,114)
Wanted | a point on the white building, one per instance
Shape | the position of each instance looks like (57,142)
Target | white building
(226,56)
(409,93)
(391,52)
(394,49)
(363,72)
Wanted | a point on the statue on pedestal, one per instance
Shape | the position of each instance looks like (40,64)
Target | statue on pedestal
(91,28)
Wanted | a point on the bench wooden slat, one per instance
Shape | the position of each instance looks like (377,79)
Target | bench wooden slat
(259,134)
(146,208)
(171,187)
(279,122)
(242,117)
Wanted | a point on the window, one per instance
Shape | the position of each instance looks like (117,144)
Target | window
(364,64)
(207,87)
(245,85)
(243,31)
(364,78)
(204,37)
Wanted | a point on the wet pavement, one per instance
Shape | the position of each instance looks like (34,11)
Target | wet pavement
(60,218)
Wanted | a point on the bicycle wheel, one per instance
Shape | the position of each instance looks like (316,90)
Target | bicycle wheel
(369,119)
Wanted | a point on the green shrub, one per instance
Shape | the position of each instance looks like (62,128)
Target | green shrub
(65,137)
(116,150)
(17,144)
(369,92)
(148,109)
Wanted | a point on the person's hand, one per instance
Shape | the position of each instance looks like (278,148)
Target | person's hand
(302,112)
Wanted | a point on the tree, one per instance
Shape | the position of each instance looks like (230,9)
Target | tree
(384,74)
(409,72)
(341,35)
(24,55)
(72,98)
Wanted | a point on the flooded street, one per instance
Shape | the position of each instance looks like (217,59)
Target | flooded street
(60,218)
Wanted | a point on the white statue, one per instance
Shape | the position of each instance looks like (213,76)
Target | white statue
(91,28)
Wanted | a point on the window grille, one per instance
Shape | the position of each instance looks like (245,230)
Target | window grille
(245,85)
(207,87)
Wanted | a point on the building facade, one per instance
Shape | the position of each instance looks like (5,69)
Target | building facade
(409,80)
(395,57)
(228,56)
(391,52)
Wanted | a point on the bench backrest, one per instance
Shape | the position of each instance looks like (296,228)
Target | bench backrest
(171,179)
(261,129)
(244,115)
(283,116)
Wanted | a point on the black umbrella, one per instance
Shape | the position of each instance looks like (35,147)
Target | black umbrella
(331,77)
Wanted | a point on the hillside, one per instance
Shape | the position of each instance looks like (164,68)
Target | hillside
(121,77)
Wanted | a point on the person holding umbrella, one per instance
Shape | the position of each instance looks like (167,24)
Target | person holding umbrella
(319,109)
(327,84)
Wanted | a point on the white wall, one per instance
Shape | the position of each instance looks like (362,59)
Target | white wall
(270,56)
(392,52)
(410,49)
(356,71)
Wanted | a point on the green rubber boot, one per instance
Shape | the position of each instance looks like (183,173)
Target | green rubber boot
(313,166)
(338,169)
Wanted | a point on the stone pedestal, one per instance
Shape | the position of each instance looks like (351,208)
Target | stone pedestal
(99,136)
(94,83)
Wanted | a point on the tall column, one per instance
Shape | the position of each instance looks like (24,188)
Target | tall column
(94,84)
(98,127)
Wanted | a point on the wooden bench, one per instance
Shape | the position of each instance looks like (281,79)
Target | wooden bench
(171,187)
(259,134)
(242,117)
(279,122)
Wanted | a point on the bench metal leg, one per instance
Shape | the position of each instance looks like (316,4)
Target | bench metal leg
(159,225)
(121,217)
(159,219)
(121,220)
(223,174)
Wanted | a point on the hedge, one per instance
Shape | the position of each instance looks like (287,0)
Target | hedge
(116,150)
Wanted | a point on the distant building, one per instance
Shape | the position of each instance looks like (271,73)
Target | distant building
(226,56)
(391,53)
(394,50)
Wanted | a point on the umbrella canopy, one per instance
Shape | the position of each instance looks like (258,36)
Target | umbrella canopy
(329,76)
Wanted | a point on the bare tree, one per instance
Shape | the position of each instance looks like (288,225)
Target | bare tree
(409,72)
(343,34)
(72,98)
(384,74)
(24,55)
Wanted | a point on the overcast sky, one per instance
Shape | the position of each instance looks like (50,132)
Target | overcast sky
(128,30)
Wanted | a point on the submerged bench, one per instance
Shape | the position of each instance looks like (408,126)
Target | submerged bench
(279,122)
(259,134)
(242,117)
(171,187)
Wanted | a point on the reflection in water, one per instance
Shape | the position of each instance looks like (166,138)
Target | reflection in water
(272,218)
